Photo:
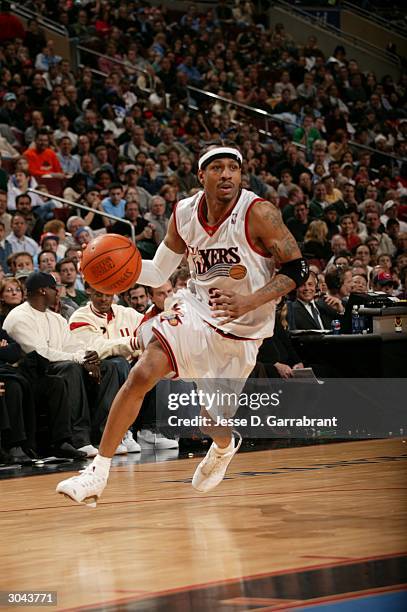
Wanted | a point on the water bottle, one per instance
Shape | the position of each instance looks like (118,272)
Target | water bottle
(355,320)
(362,324)
(336,327)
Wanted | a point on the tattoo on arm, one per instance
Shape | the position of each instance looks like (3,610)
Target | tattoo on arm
(286,249)
(274,235)
(278,286)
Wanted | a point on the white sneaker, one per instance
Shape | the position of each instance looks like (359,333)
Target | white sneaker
(130,443)
(153,441)
(121,449)
(211,470)
(163,443)
(85,488)
(90,450)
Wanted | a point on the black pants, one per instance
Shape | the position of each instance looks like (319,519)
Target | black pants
(77,407)
(18,410)
(114,372)
(61,394)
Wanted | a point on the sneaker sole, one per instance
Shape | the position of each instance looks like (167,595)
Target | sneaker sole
(206,490)
(210,488)
(146,445)
(88,501)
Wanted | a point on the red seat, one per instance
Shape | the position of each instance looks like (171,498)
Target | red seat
(54,185)
(8,165)
(63,214)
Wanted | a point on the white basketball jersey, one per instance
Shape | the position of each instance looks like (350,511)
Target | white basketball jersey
(221,257)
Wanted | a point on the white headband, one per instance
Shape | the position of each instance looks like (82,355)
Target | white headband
(219,152)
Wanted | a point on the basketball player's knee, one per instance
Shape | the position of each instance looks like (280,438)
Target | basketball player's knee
(139,382)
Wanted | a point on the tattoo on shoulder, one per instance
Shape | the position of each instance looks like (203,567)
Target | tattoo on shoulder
(285,250)
(273,235)
(268,212)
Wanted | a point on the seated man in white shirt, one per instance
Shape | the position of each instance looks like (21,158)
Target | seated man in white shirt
(110,330)
(36,328)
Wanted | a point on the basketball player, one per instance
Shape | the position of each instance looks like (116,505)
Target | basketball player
(215,330)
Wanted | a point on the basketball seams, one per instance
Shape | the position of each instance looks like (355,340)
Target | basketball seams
(112,263)
(116,271)
(120,248)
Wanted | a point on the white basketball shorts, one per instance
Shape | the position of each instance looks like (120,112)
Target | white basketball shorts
(195,349)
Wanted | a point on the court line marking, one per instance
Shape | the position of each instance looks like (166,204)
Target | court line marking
(198,497)
(333,557)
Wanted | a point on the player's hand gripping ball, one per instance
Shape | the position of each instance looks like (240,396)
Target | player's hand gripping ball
(111,263)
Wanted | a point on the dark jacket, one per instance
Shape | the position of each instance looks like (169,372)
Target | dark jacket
(10,353)
(300,318)
(316,250)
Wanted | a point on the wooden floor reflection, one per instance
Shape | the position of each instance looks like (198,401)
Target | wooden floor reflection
(285,529)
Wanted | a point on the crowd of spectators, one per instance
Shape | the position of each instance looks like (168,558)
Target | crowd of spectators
(122,133)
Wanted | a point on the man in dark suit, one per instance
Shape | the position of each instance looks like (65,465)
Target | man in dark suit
(309,313)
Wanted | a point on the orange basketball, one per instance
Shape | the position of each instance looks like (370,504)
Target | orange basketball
(111,263)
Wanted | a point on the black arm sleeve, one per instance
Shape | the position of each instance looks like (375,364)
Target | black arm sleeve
(297,270)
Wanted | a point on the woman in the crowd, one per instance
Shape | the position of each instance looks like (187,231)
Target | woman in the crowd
(11,295)
(364,253)
(277,354)
(84,235)
(385,262)
(76,185)
(316,243)
(349,233)
(169,193)
(92,198)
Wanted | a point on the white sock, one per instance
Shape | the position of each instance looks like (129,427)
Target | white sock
(102,465)
(227,449)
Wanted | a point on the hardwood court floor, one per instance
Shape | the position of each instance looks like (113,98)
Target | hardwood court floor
(153,543)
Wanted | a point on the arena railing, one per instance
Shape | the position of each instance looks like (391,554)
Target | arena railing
(391,156)
(48,195)
(88,51)
(270,118)
(22,11)
(258,112)
(360,42)
(391,26)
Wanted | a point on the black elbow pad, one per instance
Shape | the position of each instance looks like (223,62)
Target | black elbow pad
(297,270)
